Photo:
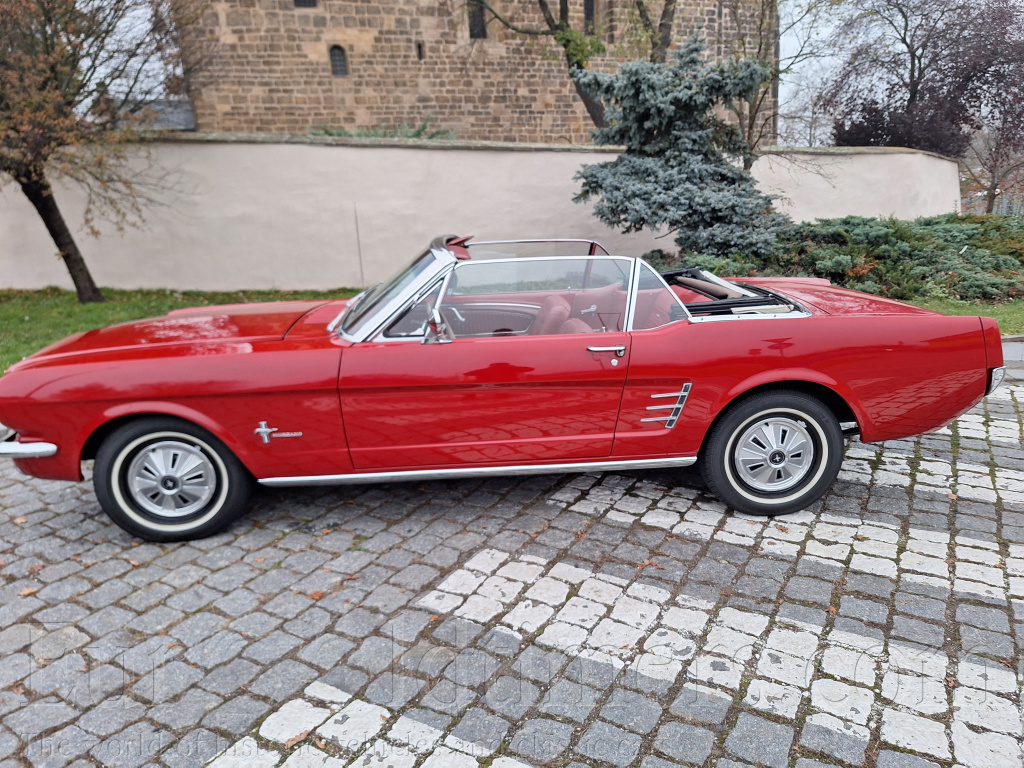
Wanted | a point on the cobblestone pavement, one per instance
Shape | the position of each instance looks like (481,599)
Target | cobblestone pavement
(619,619)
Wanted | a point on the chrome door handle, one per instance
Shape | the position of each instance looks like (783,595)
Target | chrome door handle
(620,351)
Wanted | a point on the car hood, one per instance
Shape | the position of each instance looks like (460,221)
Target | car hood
(826,298)
(229,323)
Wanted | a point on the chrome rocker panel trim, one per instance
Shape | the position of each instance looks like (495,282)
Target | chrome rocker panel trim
(363,478)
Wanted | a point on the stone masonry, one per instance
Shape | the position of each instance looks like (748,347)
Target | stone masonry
(576,620)
(268,67)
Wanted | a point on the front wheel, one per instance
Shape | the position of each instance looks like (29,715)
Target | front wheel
(773,453)
(168,480)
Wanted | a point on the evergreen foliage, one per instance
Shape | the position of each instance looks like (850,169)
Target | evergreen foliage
(682,167)
(971,257)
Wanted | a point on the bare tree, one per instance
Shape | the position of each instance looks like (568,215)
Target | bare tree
(580,45)
(994,161)
(753,29)
(76,80)
(918,73)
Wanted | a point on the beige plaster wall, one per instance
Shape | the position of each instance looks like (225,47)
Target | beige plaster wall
(861,181)
(265,214)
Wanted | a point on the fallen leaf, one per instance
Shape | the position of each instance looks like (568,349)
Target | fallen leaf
(295,740)
(950,682)
(646,563)
(952,497)
(325,531)
(36,568)
(832,610)
(133,562)
(434,617)
(20,520)
(260,559)
(317,595)
(172,646)
(320,743)
(783,528)
(28,591)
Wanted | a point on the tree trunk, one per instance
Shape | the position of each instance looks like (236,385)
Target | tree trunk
(659,52)
(594,106)
(37,189)
(990,199)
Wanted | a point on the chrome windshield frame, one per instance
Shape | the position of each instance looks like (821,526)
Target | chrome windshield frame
(382,315)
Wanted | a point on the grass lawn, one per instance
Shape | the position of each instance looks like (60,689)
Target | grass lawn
(30,320)
(1009,314)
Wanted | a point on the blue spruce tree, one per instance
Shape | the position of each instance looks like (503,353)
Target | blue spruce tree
(682,169)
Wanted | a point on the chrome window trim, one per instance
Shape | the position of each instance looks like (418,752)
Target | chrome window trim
(631,309)
(362,478)
(592,243)
(634,279)
(795,315)
(497,304)
(445,259)
(418,296)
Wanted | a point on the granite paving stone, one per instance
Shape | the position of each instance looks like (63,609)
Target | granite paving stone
(564,619)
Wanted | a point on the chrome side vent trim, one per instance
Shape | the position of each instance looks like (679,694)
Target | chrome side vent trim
(675,409)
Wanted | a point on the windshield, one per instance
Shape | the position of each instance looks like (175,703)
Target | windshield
(382,293)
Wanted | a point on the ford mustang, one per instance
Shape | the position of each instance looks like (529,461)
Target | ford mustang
(492,358)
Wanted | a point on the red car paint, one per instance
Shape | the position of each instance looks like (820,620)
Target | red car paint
(478,402)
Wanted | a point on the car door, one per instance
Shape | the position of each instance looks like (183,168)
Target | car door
(544,391)
(657,412)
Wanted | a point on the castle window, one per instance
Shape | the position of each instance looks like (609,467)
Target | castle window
(339,61)
(588,17)
(477,22)
(420,52)
(305,3)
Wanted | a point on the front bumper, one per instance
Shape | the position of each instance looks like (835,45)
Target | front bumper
(10,448)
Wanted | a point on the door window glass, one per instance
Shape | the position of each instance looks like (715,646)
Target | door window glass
(656,304)
(537,297)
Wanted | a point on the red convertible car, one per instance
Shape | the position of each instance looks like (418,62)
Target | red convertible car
(484,358)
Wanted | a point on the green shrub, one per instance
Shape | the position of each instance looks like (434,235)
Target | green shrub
(971,257)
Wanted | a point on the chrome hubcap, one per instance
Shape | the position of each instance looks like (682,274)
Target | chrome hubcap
(774,454)
(171,479)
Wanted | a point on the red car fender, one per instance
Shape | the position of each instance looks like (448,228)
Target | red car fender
(795,376)
(156,408)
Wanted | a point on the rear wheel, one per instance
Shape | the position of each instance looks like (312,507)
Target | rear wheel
(169,480)
(773,453)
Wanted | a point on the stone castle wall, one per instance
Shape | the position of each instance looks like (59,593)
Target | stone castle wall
(267,67)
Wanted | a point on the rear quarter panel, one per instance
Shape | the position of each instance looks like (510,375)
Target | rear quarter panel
(901,375)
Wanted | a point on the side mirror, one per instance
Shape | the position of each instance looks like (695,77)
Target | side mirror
(438,331)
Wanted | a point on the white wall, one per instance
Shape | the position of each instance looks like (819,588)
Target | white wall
(262,213)
(859,181)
